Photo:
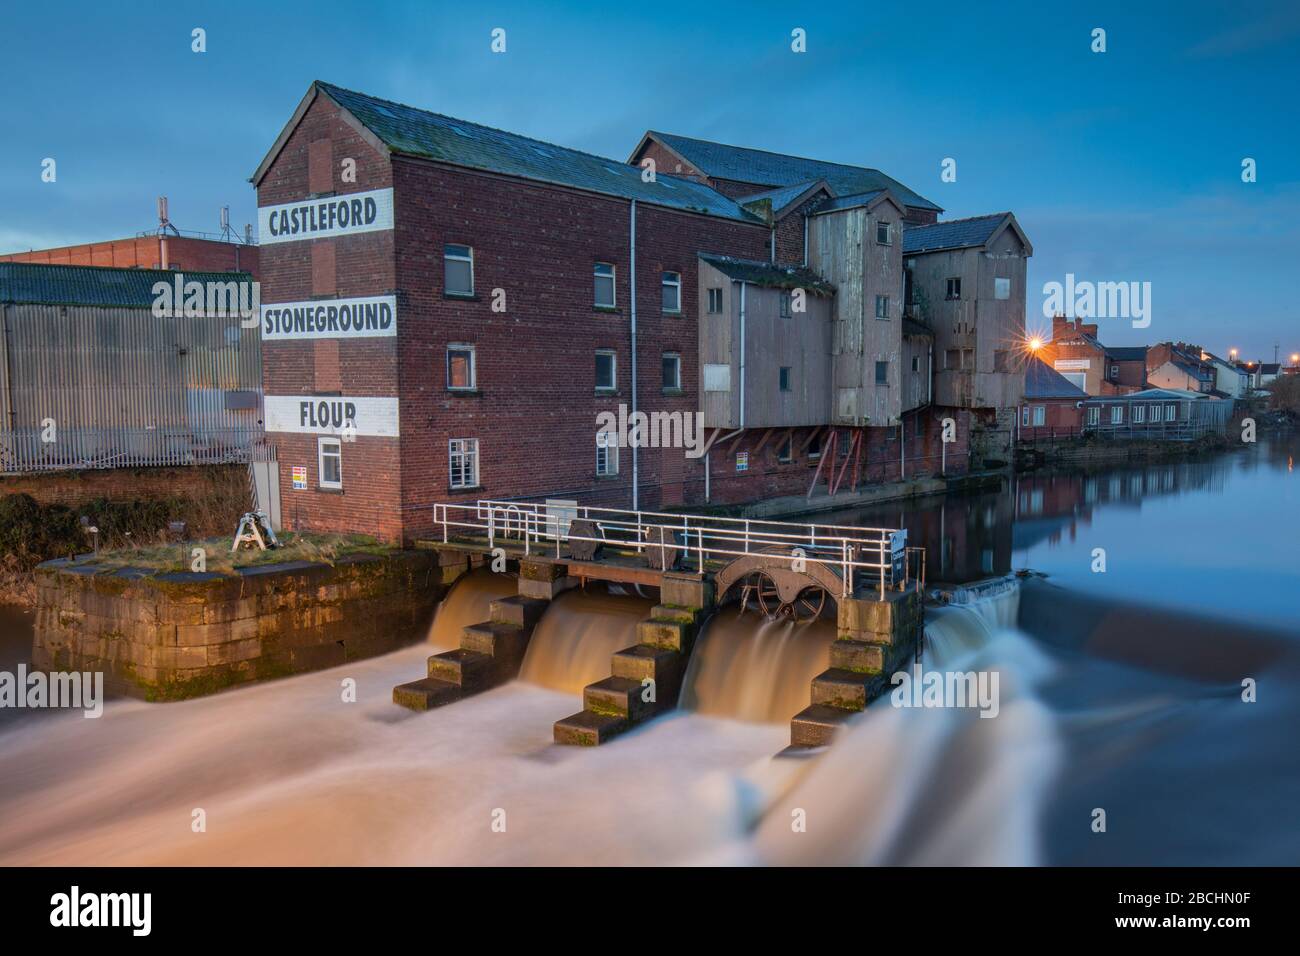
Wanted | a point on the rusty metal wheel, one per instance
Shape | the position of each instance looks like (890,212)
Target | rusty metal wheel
(769,598)
(808,605)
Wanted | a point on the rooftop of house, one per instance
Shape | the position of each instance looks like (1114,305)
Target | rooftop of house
(760,273)
(1270,368)
(953,234)
(763,168)
(1127,353)
(1151,394)
(30,282)
(1043,381)
(783,197)
(411,131)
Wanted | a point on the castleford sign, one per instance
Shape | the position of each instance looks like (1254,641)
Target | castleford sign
(331,318)
(332,415)
(320,218)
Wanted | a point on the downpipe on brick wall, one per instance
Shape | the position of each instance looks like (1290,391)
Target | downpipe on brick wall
(632,284)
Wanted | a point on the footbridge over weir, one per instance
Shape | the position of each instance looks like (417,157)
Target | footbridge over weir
(868,578)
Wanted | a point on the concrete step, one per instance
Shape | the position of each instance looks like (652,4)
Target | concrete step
(817,725)
(619,697)
(585,729)
(518,610)
(858,656)
(502,642)
(673,612)
(662,666)
(670,635)
(847,690)
(425,693)
(465,669)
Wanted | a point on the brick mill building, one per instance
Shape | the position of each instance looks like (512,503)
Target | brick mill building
(449,308)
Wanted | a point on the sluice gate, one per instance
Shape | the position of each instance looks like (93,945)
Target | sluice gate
(868,578)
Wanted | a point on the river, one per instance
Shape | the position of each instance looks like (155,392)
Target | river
(1121,692)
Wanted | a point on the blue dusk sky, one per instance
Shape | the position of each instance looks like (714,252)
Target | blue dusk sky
(1121,166)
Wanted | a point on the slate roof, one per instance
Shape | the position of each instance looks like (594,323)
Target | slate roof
(415,132)
(849,202)
(766,274)
(953,234)
(1043,381)
(741,164)
(30,282)
(781,197)
(1127,353)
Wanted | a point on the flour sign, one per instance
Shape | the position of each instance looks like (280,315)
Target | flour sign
(332,415)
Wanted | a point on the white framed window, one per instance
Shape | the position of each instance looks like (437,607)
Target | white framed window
(717,378)
(1155,413)
(672,292)
(1024,417)
(1139,414)
(1171,413)
(1001,288)
(604,275)
(462,454)
(606,369)
(1117,414)
(606,454)
(953,289)
(884,233)
(461,372)
(672,367)
(882,306)
(1040,415)
(457,270)
(1094,415)
(329,460)
(715,301)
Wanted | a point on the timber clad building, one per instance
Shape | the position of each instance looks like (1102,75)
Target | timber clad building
(448,308)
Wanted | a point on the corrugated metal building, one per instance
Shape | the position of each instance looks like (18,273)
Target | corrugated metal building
(91,377)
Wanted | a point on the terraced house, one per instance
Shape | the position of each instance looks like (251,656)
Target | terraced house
(532,288)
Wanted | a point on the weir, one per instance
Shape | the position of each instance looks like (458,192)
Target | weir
(867,580)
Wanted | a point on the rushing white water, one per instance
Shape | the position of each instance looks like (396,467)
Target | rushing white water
(578,636)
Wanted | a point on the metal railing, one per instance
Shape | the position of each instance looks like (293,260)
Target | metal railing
(878,555)
(28,450)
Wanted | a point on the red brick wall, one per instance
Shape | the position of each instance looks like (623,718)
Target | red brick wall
(535,410)
(347,266)
(76,488)
(197,255)
(1062,417)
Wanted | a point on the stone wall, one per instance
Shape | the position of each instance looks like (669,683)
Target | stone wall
(168,636)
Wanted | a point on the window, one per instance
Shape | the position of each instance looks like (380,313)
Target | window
(329,453)
(1171,413)
(1001,360)
(457,270)
(606,369)
(672,364)
(968,359)
(463,456)
(882,373)
(717,378)
(882,306)
(1094,415)
(672,292)
(1024,417)
(1155,413)
(815,447)
(1040,415)
(715,301)
(954,289)
(785,451)
(606,454)
(952,359)
(786,310)
(1116,414)
(1001,288)
(883,233)
(783,378)
(916,363)
(460,366)
(1139,414)
(1114,371)
(604,285)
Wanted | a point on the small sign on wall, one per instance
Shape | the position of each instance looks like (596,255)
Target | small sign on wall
(299,478)
(742,461)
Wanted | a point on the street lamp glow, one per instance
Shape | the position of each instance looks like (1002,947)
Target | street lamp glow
(1035,344)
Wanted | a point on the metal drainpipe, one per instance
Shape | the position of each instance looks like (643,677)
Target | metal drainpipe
(772,252)
(742,356)
(632,295)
